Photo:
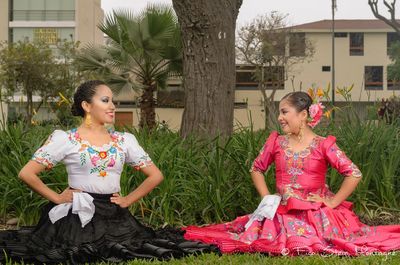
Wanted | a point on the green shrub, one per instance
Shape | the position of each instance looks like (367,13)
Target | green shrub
(207,181)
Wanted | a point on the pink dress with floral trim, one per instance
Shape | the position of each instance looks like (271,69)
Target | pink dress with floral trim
(301,226)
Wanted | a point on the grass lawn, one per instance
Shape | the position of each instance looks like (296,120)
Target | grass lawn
(254,259)
(212,259)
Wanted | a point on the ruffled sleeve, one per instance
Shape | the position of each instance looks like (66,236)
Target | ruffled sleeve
(338,159)
(266,155)
(53,151)
(135,155)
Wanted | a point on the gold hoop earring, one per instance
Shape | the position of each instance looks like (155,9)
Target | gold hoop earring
(88,120)
(300,135)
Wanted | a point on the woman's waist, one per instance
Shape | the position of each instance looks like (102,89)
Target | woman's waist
(102,187)
(95,195)
(300,191)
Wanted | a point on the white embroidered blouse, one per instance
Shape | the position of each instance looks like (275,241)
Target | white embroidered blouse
(95,169)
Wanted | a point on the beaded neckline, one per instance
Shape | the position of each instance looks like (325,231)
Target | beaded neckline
(284,143)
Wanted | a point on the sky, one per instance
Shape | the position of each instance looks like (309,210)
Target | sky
(299,11)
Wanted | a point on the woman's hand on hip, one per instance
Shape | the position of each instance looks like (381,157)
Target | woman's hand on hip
(123,202)
(66,196)
(317,198)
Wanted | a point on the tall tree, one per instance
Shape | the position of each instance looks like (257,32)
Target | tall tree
(391,6)
(272,47)
(142,51)
(208,38)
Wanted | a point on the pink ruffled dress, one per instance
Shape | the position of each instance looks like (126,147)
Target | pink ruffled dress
(300,226)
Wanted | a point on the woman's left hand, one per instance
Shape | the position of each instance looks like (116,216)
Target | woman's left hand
(327,201)
(123,202)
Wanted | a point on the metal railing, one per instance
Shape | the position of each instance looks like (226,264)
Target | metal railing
(42,15)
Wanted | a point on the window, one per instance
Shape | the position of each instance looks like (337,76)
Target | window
(392,84)
(246,78)
(170,99)
(47,35)
(326,68)
(391,38)
(297,44)
(275,77)
(43,10)
(356,44)
(277,42)
(240,105)
(373,77)
(340,34)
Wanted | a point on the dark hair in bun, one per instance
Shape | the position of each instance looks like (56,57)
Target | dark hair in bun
(85,92)
(299,100)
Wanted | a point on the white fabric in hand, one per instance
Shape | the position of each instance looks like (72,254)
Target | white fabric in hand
(266,209)
(82,205)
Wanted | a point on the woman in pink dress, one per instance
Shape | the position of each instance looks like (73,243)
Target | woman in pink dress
(309,218)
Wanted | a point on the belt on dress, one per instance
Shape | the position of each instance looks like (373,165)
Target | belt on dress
(82,205)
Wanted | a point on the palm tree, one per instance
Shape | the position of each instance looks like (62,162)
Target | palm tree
(143,50)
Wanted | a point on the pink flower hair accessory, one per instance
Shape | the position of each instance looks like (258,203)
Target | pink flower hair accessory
(316,112)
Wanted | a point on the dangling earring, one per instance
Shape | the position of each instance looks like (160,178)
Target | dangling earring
(300,135)
(88,120)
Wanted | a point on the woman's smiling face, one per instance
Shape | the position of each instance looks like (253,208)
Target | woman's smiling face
(101,107)
(289,118)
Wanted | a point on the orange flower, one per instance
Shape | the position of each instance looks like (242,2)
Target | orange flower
(103,174)
(311,93)
(103,155)
(328,114)
(320,92)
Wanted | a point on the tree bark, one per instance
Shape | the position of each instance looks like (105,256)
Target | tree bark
(147,108)
(29,107)
(208,39)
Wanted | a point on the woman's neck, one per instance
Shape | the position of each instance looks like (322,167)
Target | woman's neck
(94,127)
(307,133)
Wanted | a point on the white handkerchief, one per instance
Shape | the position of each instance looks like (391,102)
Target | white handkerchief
(59,211)
(82,205)
(266,209)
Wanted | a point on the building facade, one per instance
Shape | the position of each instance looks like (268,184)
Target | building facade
(361,58)
(51,20)
(361,61)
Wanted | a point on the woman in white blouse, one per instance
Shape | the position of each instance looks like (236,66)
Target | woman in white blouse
(89,220)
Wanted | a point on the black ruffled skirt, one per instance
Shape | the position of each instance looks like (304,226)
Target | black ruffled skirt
(113,235)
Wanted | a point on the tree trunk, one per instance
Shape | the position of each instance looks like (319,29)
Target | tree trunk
(208,39)
(29,107)
(147,108)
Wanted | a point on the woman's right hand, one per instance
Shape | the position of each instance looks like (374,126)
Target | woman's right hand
(65,196)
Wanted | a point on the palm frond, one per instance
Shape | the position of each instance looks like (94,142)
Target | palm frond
(143,48)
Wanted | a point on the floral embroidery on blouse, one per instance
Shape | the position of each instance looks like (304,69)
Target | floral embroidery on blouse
(43,157)
(253,167)
(99,158)
(351,170)
(145,161)
(295,161)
